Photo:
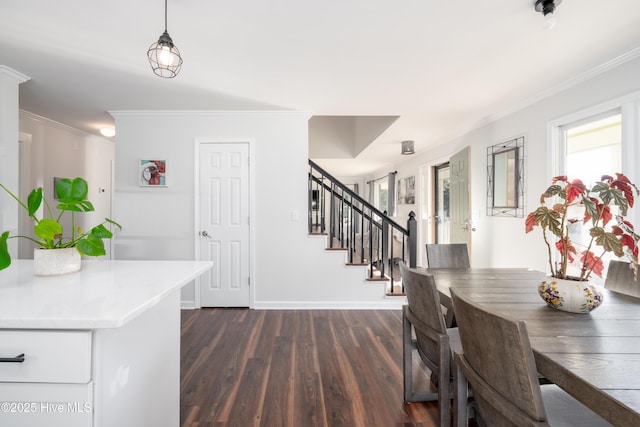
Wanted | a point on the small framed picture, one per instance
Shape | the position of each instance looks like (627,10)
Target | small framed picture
(407,191)
(152,173)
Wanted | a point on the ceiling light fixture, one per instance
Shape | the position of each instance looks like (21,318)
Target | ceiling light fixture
(108,132)
(164,56)
(547,8)
(407,147)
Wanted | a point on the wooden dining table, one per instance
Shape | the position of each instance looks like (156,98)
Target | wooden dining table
(595,357)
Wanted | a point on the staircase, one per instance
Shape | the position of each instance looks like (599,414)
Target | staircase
(368,237)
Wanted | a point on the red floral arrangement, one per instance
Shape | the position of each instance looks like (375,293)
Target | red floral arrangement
(595,207)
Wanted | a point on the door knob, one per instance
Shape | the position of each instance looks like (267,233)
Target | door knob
(204,233)
(468,227)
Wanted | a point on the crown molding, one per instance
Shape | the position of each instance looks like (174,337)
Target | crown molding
(16,75)
(211,113)
(574,81)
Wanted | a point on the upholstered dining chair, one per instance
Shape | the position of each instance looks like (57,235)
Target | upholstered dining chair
(423,317)
(620,279)
(498,364)
(447,255)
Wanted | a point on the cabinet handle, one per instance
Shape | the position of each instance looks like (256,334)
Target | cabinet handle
(18,359)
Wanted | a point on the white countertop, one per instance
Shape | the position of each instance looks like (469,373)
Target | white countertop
(103,294)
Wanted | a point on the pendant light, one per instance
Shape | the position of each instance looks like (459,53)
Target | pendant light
(548,9)
(164,56)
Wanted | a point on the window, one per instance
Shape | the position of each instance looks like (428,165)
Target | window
(594,148)
(381,195)
(599,140)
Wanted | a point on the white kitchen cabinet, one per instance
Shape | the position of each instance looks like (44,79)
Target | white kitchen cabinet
(101,346)
(49,356)
(46,378)
(46,404)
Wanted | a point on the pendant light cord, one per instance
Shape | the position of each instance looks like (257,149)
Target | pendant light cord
(165,16)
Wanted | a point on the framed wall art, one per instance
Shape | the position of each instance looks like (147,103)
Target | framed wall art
(152,173)
(407,191)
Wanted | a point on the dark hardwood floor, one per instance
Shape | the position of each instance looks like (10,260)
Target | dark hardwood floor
(296,368)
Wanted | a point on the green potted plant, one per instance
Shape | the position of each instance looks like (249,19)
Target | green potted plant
(601,208)
(48,230)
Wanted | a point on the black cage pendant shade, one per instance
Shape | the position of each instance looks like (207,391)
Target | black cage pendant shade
(164,56)
(548,9)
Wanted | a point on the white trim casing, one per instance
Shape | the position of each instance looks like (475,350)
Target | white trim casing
(629,107)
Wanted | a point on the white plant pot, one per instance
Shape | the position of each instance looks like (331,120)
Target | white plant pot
(53,262)
(570,295)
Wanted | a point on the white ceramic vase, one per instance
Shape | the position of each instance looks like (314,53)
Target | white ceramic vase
(570,295)
(53,262)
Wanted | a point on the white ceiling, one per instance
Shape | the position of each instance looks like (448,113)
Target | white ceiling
(443,67)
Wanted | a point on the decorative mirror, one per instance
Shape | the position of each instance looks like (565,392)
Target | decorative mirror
(505,171)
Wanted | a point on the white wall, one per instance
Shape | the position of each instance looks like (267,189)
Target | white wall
(55,150)
(289,268)
(287,265)
(286,268)
(499,241)
(9,151)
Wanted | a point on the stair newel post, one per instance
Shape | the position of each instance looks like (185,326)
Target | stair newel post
(412,228)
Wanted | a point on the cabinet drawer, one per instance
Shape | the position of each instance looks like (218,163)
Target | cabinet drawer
(49,356)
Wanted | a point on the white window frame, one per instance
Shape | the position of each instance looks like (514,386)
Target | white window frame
(629,108)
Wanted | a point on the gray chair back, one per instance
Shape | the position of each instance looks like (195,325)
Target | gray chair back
(499,365)
(447,255)
(423,313)
(620,279)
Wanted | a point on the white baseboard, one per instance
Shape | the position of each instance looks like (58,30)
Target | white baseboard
(391,303)
(188,305)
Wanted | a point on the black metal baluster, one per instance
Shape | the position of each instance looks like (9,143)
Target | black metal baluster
(390,254)
(332,215)
(371,249)
(362,237)
(323,194)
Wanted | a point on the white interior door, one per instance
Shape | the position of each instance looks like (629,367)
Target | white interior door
(459,203)
(224,224)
